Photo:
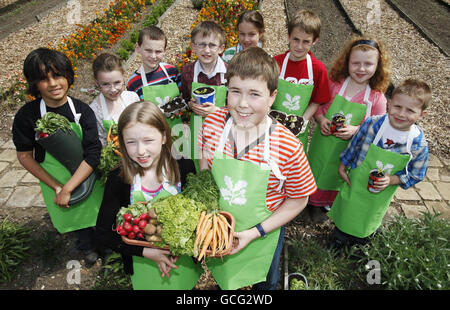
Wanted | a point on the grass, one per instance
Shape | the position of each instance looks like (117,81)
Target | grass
(410,254)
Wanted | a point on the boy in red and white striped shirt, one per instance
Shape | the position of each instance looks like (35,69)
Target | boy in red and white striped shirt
(244,127)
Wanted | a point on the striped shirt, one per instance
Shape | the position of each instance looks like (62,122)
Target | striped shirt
(358,147)
(285,149)
(156,77)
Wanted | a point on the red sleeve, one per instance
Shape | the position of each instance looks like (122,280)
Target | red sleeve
(321,92)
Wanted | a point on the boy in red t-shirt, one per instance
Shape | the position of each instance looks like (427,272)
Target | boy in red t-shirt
(306,75)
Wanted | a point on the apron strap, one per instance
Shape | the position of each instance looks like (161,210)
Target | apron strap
(143,76)
(308,66)
(76,116)
(366,96)
(272,164)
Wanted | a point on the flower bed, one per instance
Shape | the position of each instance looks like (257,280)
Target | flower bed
(104,31)
(225,13)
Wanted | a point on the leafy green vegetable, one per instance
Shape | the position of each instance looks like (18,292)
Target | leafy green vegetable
(202,187)
(179,217)
(297,284)
(51,123)
(108,161)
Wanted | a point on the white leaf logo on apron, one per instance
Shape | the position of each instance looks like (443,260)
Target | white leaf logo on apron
(387,168)
(348,117)
(292,103)
(234,194)
(162,102)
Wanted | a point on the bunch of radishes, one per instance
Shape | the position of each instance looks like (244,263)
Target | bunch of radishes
(133,228)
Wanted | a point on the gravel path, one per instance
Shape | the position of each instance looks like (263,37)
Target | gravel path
(15,47)
(412,56)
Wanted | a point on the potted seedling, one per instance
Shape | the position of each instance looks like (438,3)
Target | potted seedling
(174,108)
(337,122)
(204,94)
(377,174)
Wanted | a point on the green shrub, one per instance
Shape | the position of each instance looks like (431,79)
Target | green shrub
(127,45)
(413,254)
(323,268)
(14,245)
(123,53)
(112,276)
(197,4)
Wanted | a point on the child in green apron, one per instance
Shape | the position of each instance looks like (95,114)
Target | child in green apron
(151,47)
(49,75)
(303,83)
(148,172)
(250,27)
(358,79)
(260,168)
(208,42)
(112,100)
(391,143)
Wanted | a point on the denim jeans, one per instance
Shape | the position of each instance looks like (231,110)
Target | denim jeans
(274,271)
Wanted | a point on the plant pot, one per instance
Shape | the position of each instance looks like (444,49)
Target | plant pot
(337,122)
(67,149)
(291,121)
(204,94)
(374,176)
(174,107)
(297,276)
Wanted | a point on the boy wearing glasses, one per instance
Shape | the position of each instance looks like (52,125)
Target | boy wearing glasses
(208,42)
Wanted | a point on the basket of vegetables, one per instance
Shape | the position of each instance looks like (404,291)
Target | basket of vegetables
(186,223)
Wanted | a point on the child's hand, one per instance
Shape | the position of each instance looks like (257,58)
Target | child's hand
(242,239)
(325,126)
(202,109)
(62,197)
(347,132)
(162,259)
(382,183)
(343,174)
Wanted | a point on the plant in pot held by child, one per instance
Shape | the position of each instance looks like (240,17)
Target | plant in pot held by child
(378,173)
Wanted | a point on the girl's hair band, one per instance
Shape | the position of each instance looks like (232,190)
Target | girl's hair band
(366,42)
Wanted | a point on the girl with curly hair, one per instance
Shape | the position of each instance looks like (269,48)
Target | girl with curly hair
(359,77)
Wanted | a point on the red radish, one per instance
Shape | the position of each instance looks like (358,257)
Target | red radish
(127,217)
(140,235)
(118,228)
(123,232)
(43,135)
(132,235)
(127,226)
(144,216)
(142,224)
(136,220)
(136,229)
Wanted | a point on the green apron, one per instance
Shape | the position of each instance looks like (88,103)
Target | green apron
(294,98)
(356,211)
(197,120)
(146,274)
(323,152)
(108,120)
(160,95)
(80,215)
(243,187)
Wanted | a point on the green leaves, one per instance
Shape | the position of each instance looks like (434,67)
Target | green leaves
(14,245)
(51,123)
(202,187)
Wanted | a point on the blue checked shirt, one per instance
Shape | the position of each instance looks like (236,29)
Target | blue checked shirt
(359,146)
